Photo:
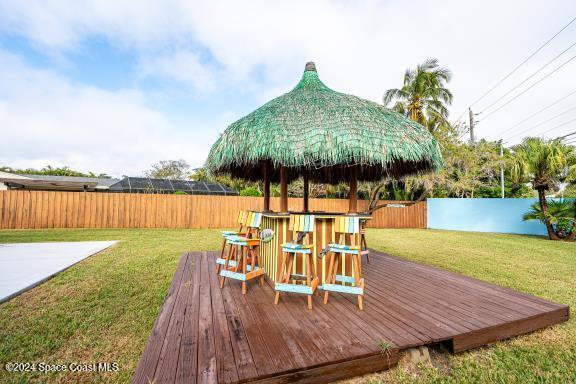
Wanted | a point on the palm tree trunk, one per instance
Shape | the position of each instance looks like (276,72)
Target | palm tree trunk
(544,205)
(572,235)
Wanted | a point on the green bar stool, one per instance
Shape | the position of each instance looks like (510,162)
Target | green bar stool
(302,226)
(350,284)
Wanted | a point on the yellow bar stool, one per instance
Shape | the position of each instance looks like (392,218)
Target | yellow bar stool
(302,226)
(244,264)
(220,261)
(350,284)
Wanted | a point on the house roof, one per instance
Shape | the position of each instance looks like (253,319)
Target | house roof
(127,184)
(56,182)
(151,185)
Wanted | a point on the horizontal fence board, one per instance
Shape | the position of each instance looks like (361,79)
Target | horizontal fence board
(52,209)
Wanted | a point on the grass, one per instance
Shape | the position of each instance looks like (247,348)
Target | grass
(102,309)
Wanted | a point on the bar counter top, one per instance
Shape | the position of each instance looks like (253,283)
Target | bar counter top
(318,214)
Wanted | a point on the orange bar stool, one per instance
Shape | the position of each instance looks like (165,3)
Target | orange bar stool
(350,284)
(244,264)
(220,261)
(302,226)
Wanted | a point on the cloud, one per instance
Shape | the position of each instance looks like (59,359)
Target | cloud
(46,119)
(183,67)
(259,48)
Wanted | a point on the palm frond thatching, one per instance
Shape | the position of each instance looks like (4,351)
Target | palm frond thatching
(322,131)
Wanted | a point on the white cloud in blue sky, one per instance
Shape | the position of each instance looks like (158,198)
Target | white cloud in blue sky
(113,86)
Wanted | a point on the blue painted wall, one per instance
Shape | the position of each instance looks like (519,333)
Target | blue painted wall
(483,215)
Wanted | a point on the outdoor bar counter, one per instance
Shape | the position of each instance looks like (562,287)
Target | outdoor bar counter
(271,252)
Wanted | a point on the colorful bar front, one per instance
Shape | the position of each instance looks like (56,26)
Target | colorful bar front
(323,235)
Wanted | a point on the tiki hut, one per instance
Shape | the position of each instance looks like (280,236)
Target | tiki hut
(324,136)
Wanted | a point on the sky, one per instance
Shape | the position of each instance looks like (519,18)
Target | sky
(115,86)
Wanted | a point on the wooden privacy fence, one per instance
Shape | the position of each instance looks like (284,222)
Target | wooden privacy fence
(39,209)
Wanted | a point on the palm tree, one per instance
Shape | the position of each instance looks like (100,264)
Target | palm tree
(423,96)
(560,213)
(543,163)
(571,179)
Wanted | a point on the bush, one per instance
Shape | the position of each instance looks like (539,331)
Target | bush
(250,191)
(179,192)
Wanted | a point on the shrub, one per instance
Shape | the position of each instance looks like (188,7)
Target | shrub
(250,191)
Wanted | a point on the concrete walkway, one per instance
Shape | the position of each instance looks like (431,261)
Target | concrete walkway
(25,265)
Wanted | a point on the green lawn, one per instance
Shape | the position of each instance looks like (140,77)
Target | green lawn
(103,308)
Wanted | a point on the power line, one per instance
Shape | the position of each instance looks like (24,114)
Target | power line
(559,125)
(542,123)
(530,87)
(540,111)
(528,78)
(517,67)
(570,134)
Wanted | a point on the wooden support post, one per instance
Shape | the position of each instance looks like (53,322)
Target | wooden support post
(266,185)
(352,195)
(306,192)
(283,189)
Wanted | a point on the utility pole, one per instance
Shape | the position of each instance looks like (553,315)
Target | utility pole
(502,169)
(471,116)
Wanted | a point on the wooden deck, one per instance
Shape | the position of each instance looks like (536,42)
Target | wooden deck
(205,334)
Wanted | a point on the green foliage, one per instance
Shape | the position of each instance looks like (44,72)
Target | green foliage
(423,96)
(200,174)
(169,169)
(250,191)
(179,192)
(569,191)
(561,214)
(543,163)
(53,171)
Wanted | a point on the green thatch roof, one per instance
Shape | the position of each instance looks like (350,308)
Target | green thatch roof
(317,129)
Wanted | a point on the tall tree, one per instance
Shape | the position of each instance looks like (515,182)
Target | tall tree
(423,96)
(169,169)
(543,163)
(571,179)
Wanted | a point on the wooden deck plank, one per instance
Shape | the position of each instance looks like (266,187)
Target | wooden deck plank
(206,345)
(149,359)
(225,361)
(168,361)
(188,357)
(480,311)
(207,334)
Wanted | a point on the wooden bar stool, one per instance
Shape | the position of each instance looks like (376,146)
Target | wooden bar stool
(345,226)
(244,263)
(242,231)
(302,226)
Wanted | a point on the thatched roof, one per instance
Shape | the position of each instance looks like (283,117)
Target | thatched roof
(325,132)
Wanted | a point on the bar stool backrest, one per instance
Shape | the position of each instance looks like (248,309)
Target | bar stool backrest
(254,220)
(242,217)
(301,225)
(350,225)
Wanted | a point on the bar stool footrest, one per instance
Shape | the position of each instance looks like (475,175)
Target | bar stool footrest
(343,289)
(345,279)
(294,288)
(240,276)
(232,263)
